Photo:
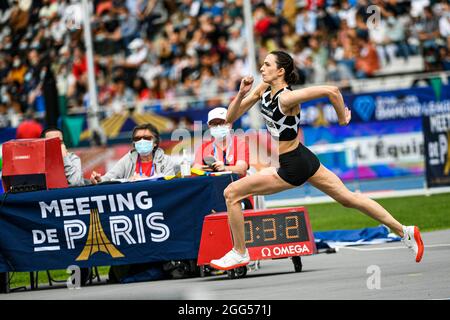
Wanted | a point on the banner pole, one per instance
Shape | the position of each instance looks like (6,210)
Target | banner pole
(92,115)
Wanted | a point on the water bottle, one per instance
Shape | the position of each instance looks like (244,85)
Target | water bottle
(185,165)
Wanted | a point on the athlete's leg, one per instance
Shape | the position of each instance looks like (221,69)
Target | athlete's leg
(265,182)
(327,182)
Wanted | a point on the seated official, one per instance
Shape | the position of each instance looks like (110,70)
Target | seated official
(145,160)
(230,152)
(72,163)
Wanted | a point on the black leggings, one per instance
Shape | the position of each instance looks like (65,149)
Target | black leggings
(298,165)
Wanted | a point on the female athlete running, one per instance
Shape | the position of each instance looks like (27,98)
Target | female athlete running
(281,111)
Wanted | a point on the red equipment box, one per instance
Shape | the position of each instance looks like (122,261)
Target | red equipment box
(33,164)
(269,234)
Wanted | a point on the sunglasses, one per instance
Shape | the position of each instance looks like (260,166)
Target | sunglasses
(137,138)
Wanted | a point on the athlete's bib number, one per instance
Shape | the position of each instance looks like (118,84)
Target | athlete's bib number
(272,128)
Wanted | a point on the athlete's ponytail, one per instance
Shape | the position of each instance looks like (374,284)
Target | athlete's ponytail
(286,62)
(292,78)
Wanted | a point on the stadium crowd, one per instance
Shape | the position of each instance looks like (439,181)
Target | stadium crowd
(155,49)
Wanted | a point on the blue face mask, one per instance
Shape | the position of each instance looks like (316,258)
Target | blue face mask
(144,147)
(220,132)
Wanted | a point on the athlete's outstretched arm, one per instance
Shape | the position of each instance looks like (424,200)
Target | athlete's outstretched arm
(290,99)
(242,103)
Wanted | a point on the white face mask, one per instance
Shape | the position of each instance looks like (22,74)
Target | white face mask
(220,132)
(144,147)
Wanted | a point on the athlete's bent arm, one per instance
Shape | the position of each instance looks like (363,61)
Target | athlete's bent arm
(290,99)
(242,103)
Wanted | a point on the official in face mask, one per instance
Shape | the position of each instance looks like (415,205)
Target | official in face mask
(145,160)
(230,152)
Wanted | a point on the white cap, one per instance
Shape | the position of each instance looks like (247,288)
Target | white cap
(217,113)
(136,44)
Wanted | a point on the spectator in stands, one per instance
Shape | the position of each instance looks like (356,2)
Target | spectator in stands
(138,54)
(367,62)
(20,17)
(157,88)
(208,86)
(236,42)
(17,73)
(72,163)
(379,37)
(79,65)
(129,27)
(395,34)
(444,57)
(319,56)
(145,159)
(152,15)
(431,58)
(141,89)
(4,65)
(347,13)
(262,21)
(444,21)
(305,22)
(344,63)
(123,97)
(429,28)
(290,38)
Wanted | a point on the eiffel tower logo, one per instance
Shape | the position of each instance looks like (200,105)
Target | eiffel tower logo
(97,240)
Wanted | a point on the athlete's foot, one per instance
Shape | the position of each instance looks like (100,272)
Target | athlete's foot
(413,241)
(231,260)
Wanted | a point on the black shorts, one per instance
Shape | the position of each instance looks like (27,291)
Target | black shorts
(298,165)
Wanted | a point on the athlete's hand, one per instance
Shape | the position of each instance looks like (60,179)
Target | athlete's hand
(347,117)
(246,85)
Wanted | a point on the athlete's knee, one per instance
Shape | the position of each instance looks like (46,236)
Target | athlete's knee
(230,194)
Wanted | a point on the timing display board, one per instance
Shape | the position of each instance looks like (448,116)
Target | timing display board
(270,233)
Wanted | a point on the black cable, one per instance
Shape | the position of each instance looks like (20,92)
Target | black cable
(5,195)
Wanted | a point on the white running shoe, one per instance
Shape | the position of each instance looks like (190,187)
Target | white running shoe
(231,260)
(413,240)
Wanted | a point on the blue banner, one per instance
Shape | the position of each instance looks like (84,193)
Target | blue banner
(382,149)
(436,131)
(7,134)
(380,106)
(109,224)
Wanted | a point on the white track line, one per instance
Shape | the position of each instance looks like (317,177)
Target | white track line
(392,248)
